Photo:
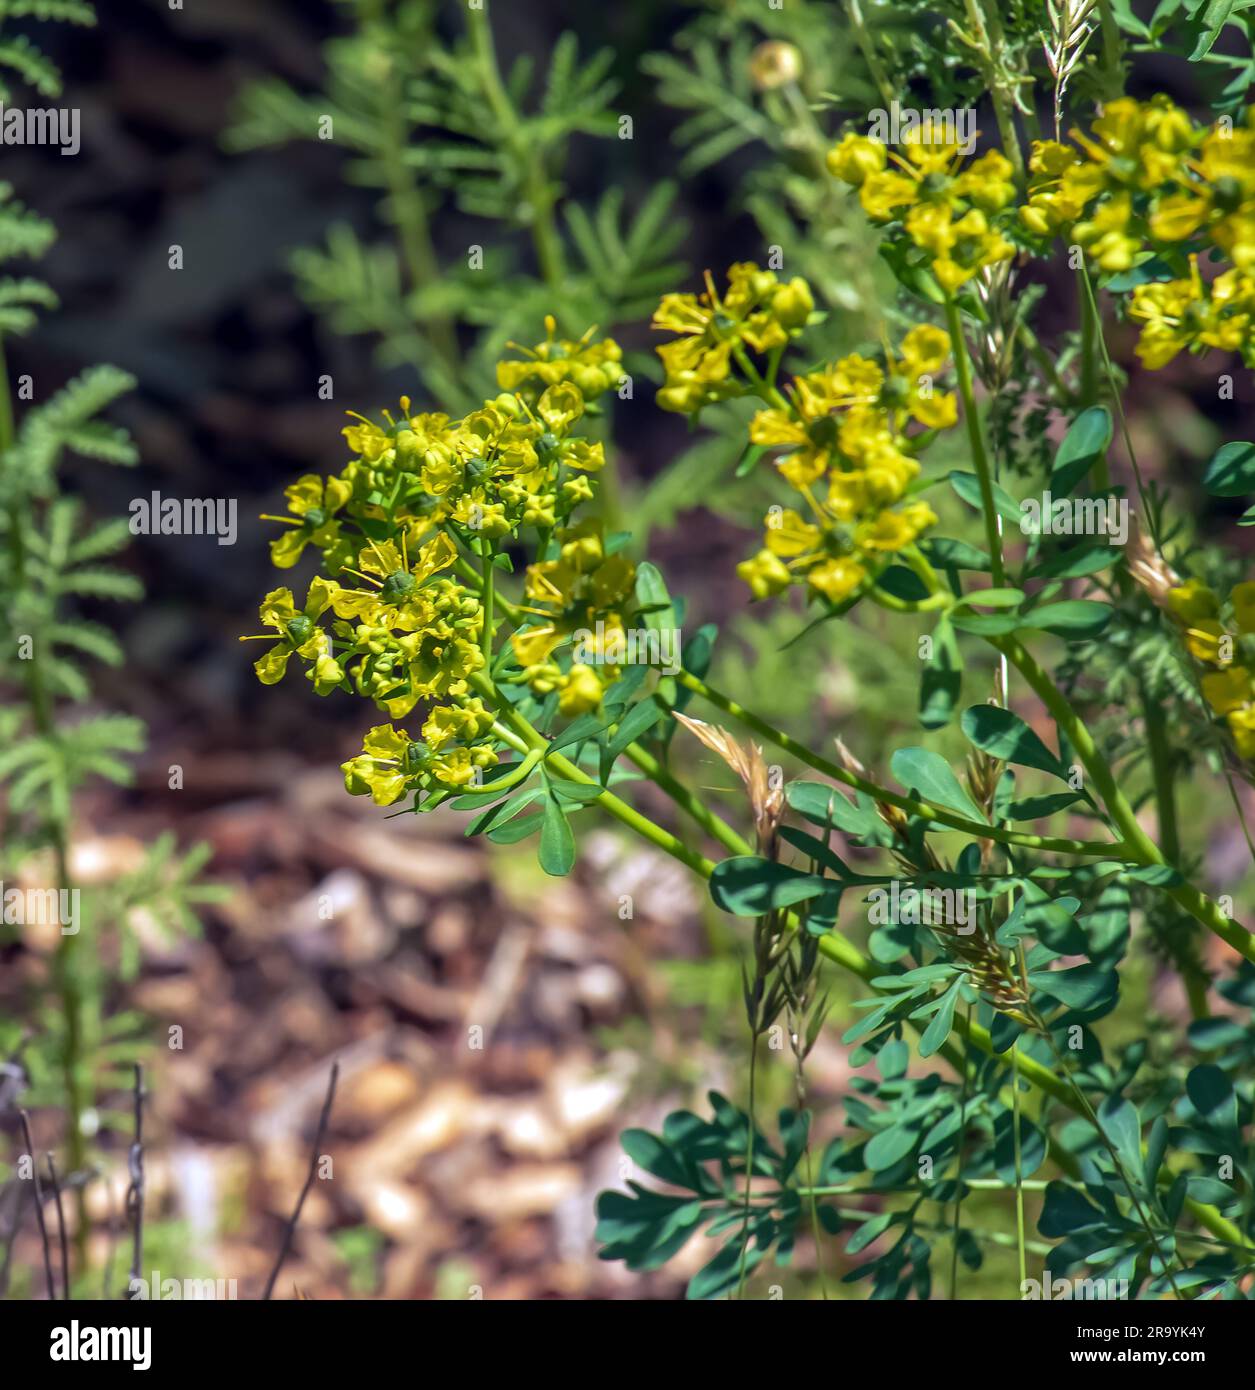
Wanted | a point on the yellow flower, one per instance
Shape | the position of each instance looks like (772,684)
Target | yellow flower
(855,158)
(466,721)
(379,769)
(788,535)
(765,574)
(1229,689)
(925,350)
(579,690)
(300,634)
(1107,234)
(1242,726)
(313,502)
(571,594)
(757,311)
(944,211)
(593,368)
(837,578)
(458,767)
(1242,597)
(1189,315)
(884,192)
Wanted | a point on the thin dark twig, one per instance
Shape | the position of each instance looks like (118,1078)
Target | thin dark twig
(135,1192)
(290,1228)
(65,1248)
(39,1203)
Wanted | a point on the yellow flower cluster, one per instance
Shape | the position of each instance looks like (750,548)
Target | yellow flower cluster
(1147,179)
(949,211)
(847,454)
(759,312)
(423,497)
(1217,637)
(592,367)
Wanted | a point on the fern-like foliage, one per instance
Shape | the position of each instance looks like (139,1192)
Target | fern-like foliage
(54,736)
(432,124)
(24,59)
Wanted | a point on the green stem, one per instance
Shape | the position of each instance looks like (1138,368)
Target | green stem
(691,805)
(867,47)
(1196,978)
(749,1167)
(991,34)
(525,148)
(975,436)
(931,604)
(486,595)
(765,389)
(409,212)
(608,801)
(1136,840)
(1019,1179)
(958,1175)
(1109,372)
(926,811)
(1089,374)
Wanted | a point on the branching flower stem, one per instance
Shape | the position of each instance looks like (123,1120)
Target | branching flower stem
(926,811)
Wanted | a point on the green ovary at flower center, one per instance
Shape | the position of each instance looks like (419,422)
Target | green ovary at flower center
(397,586)
(823,432)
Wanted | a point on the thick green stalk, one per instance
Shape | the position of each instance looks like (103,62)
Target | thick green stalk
(989,30)
(976,439)
(487,592)
(1019,1176)
(693,806)
(1196,978)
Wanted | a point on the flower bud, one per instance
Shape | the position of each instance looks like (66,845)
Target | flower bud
(774,64)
